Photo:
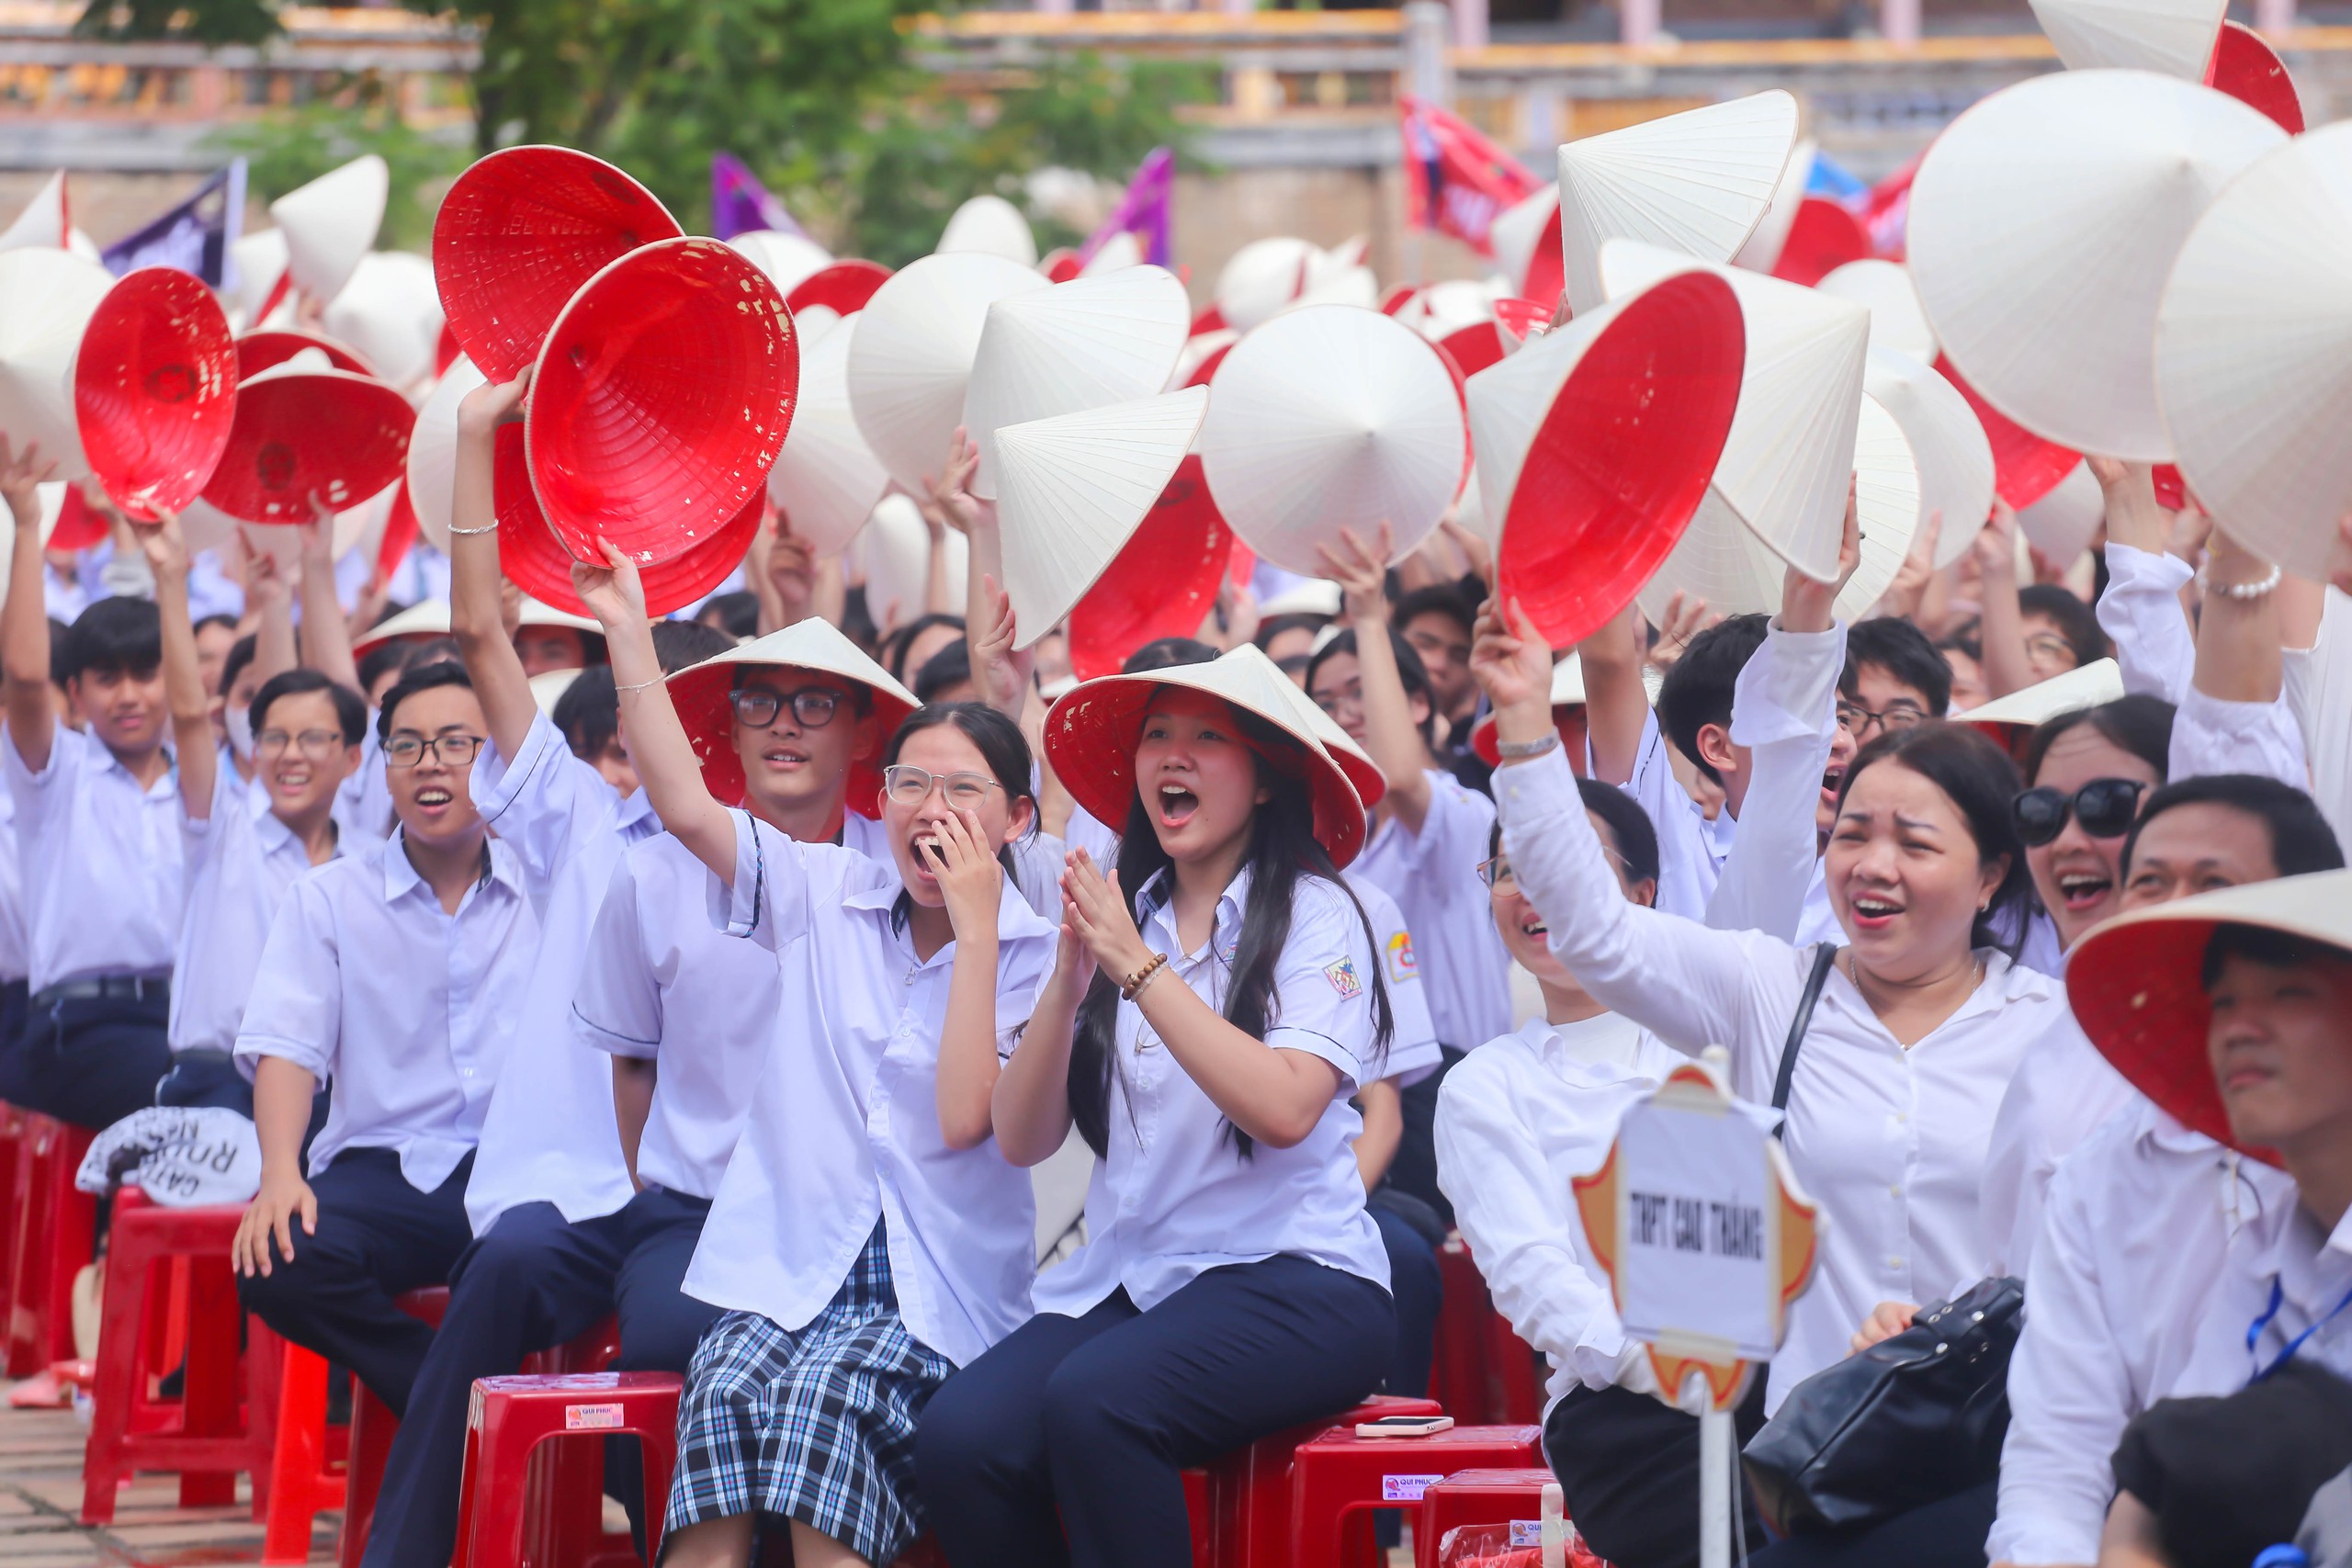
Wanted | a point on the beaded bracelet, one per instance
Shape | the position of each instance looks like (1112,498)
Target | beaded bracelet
(1132,986)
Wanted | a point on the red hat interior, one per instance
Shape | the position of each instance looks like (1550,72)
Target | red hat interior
(2246,68)
(296,432)
(1825,237)
(257,352)
(1162,583)
(843,288)
(156,390)
(2025,466)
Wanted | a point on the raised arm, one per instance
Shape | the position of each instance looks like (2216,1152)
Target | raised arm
(1000,674)
(191,706)
(24,619)
(477,609)
(267,602)
(1030,1105)
(2234,716)
(1616,704)
(2141,610)
(1360,570)
(2002,633)
(326,635)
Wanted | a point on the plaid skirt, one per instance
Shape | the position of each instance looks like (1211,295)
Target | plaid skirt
(815,1424)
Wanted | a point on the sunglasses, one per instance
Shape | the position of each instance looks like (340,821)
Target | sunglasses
(2104,806)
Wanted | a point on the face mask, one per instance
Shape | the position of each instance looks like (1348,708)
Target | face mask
(239,722)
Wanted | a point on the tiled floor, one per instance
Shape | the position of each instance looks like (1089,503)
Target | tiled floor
(40,1503)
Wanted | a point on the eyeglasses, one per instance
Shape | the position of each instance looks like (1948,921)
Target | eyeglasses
(316,744)
(1899,716)
(910,785)
(1332,699)
(2052,647)
(1495,872)
(812,707)
(2104,806)
(452,750)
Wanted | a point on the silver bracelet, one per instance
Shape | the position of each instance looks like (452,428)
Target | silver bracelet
(1526,751)
(2241,591)
(469,533)
(641,685)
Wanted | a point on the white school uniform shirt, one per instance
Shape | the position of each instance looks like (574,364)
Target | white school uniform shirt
(2319,693)
(1413,1052)
(1516,1122)
(1691,849)
(1784,709)
(2062,1093)
(15,960)
(409,1009)
(844,1128)
(2130,1262)
(1890,1142)
(1433,877)
(100,862)
(240,861)
(1172,1197)
(2141,614)
(660,983)
(1083,831)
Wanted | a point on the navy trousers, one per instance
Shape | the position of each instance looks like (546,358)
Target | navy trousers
(535,1282)
(1629,1471)
(90,1060)
(1945,1534)
(1082,1423)
(377,1238)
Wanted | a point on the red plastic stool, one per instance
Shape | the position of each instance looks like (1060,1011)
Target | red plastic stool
(566,1480)
(1512,1374)
(204,1436)
(372,1426)
(308,1460)
(1458,1374)
(51,1240)
(12,1134)
(1477,1497)
(1338,1478)
(1249,1491)
(512,1416)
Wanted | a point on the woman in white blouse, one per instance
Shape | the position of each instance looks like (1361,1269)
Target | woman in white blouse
(865,1238)
(1919,1023)
(1216,1000)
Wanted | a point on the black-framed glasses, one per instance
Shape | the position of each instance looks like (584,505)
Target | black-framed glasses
(316,744)
(812,707)
(452,750)
(1899,715)
(2104,806)
(910,785)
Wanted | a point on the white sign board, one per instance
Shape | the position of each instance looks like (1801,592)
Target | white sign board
(1698,1215)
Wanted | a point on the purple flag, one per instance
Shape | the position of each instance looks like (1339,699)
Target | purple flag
(739,203)
(1144,212)
(196,236)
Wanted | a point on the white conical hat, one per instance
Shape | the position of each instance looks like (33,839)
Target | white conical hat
(1122,249)
(1697,182)
(390,311)
(259,260)
(1261,278)
(826,479)
(1722,561)
(1520,228)
(787,259)
(433,452)
(2172,37)
(1332,417)
(47,298)
(2061,524)
(547,688)
(1341,286)
(42,223)
(2044,224)
(2101,681)
(1786,465)
(992,226)
(1947,443)
(1884,289)
(912,354)
(331,223)
(897,549)
(1085,343)
(1762,252)
(426,619)
(2253,354)
(1076,487)
(1446,307)
(1197,351)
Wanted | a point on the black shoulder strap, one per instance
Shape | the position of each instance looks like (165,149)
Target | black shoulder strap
(1823,956)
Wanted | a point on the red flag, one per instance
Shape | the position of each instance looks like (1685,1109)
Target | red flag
(1456,179)
(1887,213)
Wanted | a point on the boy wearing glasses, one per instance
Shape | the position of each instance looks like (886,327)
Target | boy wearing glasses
(397,974)
(240,861)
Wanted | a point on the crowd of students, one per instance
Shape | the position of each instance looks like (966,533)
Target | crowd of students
(737,995)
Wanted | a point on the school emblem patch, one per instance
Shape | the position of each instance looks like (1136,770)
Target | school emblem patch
(1343,976)
(1402,964)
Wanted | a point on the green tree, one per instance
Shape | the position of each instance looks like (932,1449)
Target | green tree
(292,149)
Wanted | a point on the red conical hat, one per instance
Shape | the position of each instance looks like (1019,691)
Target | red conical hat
(843,288)
(2025,466)
(156,390)
(260,351)
(1162,584)
(700,692)
(2250,71)
(517,236)
(529,552)
(297,431)
(1826,236)
(662,397)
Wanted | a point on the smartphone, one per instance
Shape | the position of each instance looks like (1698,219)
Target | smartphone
(1404,1427)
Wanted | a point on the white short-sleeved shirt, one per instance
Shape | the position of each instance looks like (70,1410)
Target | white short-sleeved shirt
(1516,1123)
(1172,1197)
(1890,1142)
(844,1128)
(240,861)
(1413,1052)
(658,982)
(14,958)
(2128,1264)
(1433,877)
(100,862)
(410,1010)
(1691,849)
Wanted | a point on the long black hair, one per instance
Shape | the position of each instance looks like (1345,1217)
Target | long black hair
(1282,850)
(1980,781)
(1001,746)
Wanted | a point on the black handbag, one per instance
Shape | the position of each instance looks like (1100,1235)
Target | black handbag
(1914,1419)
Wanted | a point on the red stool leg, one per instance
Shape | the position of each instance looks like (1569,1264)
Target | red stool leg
(30,1251)
(499,1512)
(372,1426)
(121,1337)
(209,1402)
(75,1224)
